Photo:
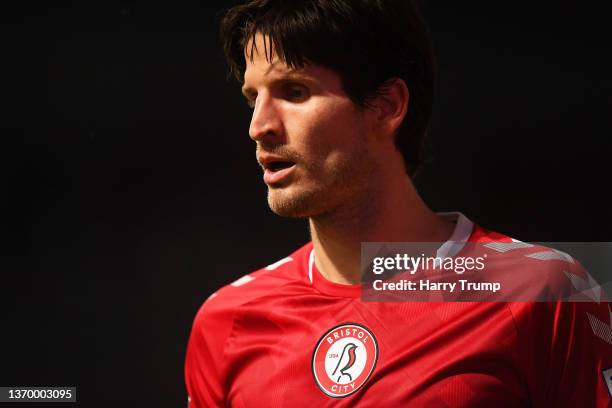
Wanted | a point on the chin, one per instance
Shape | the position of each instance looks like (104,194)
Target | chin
(286,203)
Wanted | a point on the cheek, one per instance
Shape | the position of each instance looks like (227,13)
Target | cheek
(331,131)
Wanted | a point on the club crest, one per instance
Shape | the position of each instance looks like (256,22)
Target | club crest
(343,359)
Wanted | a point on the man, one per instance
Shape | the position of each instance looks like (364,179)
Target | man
(341,93)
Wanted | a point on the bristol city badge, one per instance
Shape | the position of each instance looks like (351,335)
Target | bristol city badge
(343,359)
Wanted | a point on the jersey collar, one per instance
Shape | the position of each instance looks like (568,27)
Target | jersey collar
(461,234)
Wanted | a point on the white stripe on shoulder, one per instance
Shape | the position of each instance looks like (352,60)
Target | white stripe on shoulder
(601,329)
(242,281)
(507,246)
(276,264)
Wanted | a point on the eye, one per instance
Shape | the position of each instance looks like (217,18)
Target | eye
(296,93)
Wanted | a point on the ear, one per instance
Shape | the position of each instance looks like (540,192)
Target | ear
(390,106)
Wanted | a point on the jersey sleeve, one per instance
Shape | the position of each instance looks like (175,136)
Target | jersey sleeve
(566,352)
(204,363)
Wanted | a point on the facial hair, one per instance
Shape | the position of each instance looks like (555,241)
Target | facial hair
(320,191)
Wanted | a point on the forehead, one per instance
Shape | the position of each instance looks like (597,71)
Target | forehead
(264,65)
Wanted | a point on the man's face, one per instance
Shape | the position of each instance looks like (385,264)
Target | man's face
(312,140)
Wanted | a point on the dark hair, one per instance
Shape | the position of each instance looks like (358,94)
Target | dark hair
(367,42)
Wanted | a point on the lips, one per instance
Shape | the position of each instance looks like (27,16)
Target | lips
(276,168)
(278,165)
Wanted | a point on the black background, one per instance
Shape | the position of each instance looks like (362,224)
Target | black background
(135,192)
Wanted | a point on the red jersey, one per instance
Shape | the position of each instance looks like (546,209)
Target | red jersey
(284,336)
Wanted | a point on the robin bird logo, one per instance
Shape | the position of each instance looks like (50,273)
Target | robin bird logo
(347,360)
(343,359)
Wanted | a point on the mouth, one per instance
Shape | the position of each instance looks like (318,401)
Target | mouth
(276,170)
(275,166)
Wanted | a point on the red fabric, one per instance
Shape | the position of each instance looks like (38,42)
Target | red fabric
(252,346)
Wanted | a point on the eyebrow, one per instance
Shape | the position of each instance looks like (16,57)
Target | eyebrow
(291,75)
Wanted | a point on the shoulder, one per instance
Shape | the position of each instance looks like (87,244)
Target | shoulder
(206,362)
(288,273)
(215,321)
(533,271)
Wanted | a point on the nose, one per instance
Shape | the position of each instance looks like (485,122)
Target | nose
(266,121)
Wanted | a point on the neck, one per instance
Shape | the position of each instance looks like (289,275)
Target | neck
(393,213)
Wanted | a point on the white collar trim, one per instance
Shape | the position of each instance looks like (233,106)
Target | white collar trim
(463,229)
